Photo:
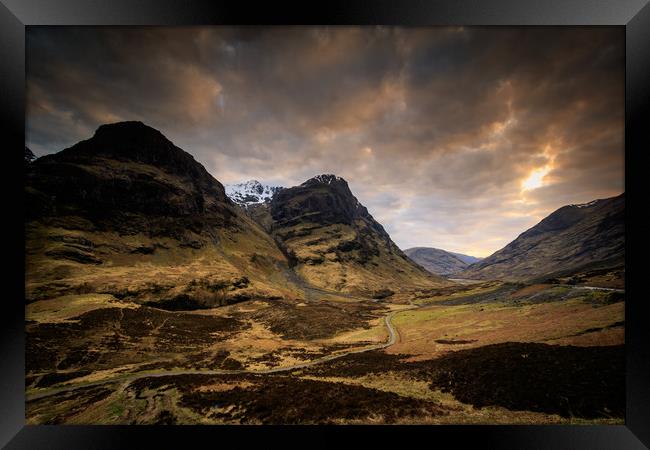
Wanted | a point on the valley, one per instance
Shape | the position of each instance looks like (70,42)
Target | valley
(395,354)
(155,295)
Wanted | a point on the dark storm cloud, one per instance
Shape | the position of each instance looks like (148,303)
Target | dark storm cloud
(459,138)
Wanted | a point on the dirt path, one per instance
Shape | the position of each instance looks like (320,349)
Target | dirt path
(465,281)
(393,337)
(594,288)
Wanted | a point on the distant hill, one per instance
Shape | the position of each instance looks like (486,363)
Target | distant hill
(466,258)
(575,238)
(440,262)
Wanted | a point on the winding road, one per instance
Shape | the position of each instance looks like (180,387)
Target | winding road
(593,288)
(312,293)
(393,336)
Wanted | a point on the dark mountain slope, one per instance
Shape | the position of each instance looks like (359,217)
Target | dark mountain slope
(572,239)
(127,168)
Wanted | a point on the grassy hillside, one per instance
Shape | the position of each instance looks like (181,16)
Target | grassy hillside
(336,244)
(127,213)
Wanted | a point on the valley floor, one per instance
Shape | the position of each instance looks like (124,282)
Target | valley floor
(491,352)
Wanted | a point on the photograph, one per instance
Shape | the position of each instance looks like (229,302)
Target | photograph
(325,225)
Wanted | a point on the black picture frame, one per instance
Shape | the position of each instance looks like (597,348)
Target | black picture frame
(633,15)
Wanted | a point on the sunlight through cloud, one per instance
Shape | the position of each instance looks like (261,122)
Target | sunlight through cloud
(535,179)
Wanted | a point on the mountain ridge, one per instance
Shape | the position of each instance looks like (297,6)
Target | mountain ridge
(574,236)
(106,213)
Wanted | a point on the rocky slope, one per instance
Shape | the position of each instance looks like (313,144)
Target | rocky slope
(439,261)
(575,239)
(128,213)
(335,243)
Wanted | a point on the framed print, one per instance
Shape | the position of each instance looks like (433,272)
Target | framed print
(363,220)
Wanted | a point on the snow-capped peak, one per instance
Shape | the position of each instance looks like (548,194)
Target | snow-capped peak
(251,192)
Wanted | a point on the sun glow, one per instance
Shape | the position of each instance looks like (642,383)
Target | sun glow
(535,179)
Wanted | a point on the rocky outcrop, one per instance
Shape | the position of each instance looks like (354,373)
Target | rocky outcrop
(323,200)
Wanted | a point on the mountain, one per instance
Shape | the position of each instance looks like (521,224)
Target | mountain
(335,243)
(439,261)
(29,156)
(251,193)
(584,238)
(465,258)
(128,213)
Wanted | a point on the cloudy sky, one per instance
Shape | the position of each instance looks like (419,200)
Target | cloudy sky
(457,138)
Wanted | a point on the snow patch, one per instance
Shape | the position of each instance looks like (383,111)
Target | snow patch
(586,205)
(251,192)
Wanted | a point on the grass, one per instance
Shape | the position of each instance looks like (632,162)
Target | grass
(489,323)
(84,309)
(167,265)
(439,295)
(557,322)
(115,410)
(66,307)
(377,333)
